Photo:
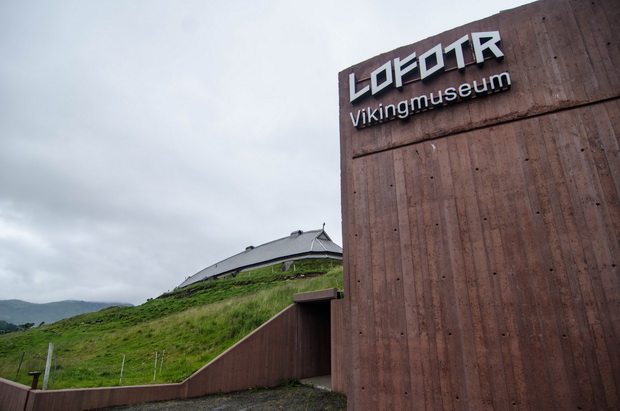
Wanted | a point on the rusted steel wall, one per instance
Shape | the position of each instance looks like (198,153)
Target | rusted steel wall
(92,398)
(18,397)
(481,239)
(244,365)
(339,346)
(13,396)
(294,344)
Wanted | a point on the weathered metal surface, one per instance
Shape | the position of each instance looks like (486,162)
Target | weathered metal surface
(92,398)
(339,346)
(314,296)
(13,396)
(481,239)
(294,344)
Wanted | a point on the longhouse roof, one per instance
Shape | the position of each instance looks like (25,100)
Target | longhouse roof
(299,245)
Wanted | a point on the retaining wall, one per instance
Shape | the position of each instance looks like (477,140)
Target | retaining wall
(13,396)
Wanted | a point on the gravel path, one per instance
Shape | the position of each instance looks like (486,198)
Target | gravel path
(301,398)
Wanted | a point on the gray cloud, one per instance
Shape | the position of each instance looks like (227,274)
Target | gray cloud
(142,141)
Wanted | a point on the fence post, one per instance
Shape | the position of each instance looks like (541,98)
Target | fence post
(35,379)
(48,363)
(54,374)
(20,364)
(161,363)
(120,380)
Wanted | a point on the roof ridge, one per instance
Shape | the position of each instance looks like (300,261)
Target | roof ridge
(229,263)
(288,236)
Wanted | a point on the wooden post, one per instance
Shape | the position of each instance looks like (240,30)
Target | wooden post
(20,364)
(161,363)
(48,363)
(54,374)
(35,379)
(120,380)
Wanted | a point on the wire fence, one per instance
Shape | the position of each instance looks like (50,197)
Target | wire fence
(160,366)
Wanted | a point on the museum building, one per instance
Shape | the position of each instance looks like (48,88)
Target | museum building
(481,216)
(480,177)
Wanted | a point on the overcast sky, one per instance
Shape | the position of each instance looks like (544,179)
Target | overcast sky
(141,141)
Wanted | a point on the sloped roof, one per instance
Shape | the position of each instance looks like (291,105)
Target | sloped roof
(299,245)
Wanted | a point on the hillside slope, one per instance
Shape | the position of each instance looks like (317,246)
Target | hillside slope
(21,312)
(165,339)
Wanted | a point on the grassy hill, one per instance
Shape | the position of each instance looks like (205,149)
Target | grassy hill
(185,329)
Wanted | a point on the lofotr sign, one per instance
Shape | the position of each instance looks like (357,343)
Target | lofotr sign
(397,73)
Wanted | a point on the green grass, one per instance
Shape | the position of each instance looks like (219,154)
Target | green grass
(187,327)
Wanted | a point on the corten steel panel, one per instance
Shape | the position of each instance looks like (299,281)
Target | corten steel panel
(548,45)
(316,296)
(92,398)
(481,239)
(294,344)
(339,346)
(263,358)
(13,396)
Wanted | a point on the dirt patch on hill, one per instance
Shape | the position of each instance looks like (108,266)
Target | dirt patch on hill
(281,398)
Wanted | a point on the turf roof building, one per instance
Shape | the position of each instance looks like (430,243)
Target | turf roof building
(299,245)
(481,212)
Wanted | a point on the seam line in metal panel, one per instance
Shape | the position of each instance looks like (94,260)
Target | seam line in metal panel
(500,123)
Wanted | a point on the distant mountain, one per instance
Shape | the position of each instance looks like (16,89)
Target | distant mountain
(20,312)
